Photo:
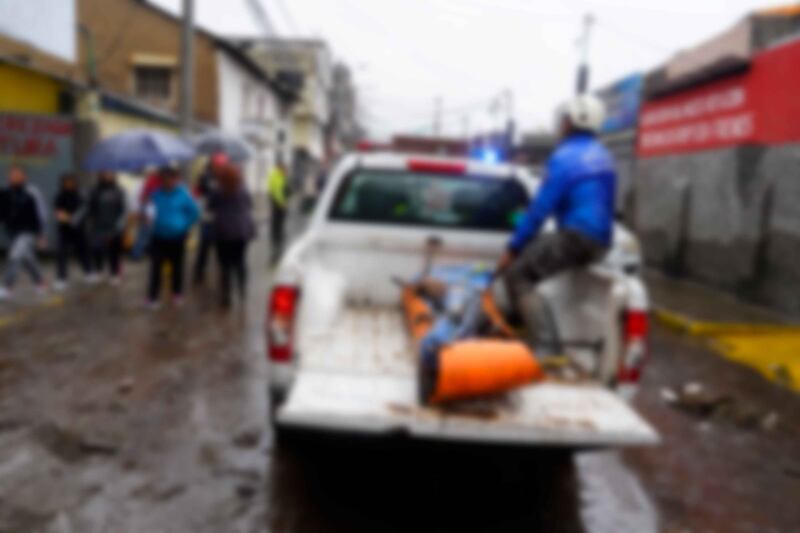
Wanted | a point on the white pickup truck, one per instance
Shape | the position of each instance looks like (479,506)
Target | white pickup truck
(340,359)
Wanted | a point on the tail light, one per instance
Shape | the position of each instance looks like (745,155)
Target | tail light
(635,328)
(280,322)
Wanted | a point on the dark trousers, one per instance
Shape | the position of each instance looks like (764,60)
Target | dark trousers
(166,251)
(71,240)
(203,251)
(233,265)
(277,223)
(107,249)
(544,257)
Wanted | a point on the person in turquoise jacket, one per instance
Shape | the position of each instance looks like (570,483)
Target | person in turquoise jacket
(173,212)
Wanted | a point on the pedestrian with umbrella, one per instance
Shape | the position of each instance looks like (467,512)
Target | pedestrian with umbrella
(231,206)
(207,185)
(134,151)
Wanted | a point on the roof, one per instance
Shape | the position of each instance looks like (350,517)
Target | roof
(727,53)
(285,42)
(20,63)
(231,46)
(244,60)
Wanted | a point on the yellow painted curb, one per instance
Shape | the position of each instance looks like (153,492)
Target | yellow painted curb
(771,349)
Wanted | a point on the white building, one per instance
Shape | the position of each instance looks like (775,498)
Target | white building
(251,106)
(310,60)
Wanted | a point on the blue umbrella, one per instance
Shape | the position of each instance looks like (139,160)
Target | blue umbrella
(234,147)
(135,150)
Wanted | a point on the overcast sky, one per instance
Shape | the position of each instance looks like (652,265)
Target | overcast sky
(406,53)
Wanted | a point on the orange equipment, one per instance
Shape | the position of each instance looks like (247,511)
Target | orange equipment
(480,367)
(419,318)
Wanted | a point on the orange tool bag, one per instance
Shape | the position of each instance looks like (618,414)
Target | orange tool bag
(479,367)
(468,368)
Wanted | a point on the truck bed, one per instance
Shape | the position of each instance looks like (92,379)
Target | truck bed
(359,375)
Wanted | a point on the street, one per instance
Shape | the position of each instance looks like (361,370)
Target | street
(113,418)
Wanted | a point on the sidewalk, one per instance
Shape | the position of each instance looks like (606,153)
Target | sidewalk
(761,338)
(702,303)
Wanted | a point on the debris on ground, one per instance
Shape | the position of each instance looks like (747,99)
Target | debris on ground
(247,438)
(694,398)
(126,385)
(69,445)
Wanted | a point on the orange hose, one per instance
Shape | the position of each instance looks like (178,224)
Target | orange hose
(418,317)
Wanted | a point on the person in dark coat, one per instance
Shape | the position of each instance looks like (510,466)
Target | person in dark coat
(22,212)
(206,186)
(107,216)
(231,209)
(70,209)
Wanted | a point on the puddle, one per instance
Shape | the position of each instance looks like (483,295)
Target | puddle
(611,498)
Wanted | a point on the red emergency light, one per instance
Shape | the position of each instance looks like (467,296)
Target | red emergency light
(436,167)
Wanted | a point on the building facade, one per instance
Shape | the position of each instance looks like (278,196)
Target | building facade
(345,128)
(717,176)
(308,60)
(253,109)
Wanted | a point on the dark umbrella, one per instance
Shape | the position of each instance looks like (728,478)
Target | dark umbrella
(212,142)
(135,150)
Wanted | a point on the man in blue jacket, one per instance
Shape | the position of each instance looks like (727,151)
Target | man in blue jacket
(578,191)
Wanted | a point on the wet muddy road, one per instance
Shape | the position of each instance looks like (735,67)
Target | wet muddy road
(115,419)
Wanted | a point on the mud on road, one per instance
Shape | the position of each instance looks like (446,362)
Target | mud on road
(115,419)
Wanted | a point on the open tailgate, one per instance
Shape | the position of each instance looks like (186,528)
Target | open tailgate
(545,414)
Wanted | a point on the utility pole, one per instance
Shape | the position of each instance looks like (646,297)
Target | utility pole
(582,81)
(187,67)
(510,124)
(437,116)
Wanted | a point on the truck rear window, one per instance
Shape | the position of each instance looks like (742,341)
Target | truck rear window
(419,199)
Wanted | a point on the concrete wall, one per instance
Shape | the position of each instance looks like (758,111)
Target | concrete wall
(727,217)
(778,268)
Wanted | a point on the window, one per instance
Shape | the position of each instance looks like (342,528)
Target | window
(417,199)
(153,82)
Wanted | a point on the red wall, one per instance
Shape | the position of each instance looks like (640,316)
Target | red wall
(760,106)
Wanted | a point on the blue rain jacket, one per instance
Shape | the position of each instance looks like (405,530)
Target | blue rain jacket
(578,189)
(175,212)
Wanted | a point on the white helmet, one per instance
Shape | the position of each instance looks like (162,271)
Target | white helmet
(585,112)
